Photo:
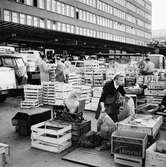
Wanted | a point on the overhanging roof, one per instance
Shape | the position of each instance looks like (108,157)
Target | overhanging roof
(33,36)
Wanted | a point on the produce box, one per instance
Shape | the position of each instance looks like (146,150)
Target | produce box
(156,155)
(148,124)
(52,136)
(129,143)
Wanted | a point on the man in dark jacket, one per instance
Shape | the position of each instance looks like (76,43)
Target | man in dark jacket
(109,99)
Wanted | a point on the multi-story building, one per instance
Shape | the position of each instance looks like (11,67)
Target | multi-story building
(123,21)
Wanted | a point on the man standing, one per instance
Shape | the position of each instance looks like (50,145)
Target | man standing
(60,71)
(110,99)
(67,64)
(149,67)
(44,70)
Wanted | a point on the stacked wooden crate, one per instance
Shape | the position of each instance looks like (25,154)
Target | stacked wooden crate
(52,136)
(90,67)
(150,78)
(88,78)
(156,88)
(74,79)
(98,78)
(52,74)
(54,93)
(156,155)
(4,155)
(129,147)
(32,96)
(92,106)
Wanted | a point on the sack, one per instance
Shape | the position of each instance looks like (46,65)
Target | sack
(110,99)
(90,140)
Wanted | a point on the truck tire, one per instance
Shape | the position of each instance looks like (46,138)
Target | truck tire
(2,98)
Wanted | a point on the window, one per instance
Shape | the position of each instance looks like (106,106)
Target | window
(29,20)
(49,5)
(68,10)
(48,24)
(58,7)
(63,27)
(71,11)
(54,26)
(35,3)
(22,19)
(14,17)
(35,21)
(6,15)
(41,4)
(42,23)
(59,26)
(29,2)
(77,14)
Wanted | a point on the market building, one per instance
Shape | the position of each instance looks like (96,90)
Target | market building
(94,25)
(105,108)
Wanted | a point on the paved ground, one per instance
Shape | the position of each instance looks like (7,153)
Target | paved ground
(22,155)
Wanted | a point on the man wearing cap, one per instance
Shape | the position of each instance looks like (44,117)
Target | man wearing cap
(110,98)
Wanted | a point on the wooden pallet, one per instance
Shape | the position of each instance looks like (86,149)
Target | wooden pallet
(49,146)
(128,160)
(29,103)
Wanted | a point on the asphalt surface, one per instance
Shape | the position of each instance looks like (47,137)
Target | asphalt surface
(21,153)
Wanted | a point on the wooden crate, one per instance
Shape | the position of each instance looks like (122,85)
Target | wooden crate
(147,108)
(79,129)
(4,155)
(128,160)
(129,143)
(51,136)
(156,155)
(149,124)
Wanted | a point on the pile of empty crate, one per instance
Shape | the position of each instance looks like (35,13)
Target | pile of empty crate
(32,96)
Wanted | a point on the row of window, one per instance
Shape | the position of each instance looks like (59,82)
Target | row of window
(108,8)
(95,3)
(92,18)
(68,10)
(40,22)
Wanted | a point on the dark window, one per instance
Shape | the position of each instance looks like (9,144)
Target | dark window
(77,15)
(35,3)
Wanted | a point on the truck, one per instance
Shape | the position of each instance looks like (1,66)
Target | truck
(7,82)
(32,59)
(13,72)
(159,60)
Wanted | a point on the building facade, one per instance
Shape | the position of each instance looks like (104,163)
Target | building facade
(124,21)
